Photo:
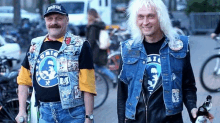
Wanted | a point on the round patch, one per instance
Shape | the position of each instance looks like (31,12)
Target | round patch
(178,45)
(46,68)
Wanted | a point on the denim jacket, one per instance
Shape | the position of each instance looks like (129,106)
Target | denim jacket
(66,52)
(134,59)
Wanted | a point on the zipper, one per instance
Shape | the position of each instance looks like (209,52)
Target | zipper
(146,104)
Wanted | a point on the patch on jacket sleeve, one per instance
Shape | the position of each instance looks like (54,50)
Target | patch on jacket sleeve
(175,95)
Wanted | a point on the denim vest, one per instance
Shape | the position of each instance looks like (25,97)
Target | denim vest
(69,51)
(134,59)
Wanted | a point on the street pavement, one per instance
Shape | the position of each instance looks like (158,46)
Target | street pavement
(201,48)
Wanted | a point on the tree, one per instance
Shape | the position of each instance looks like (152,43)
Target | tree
(202,6)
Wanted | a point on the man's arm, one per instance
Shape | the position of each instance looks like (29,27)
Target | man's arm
(24,82)
(87,78)
(216,32)
(121,101)
(189,86)
(121,98)
(89,104)
(22,97)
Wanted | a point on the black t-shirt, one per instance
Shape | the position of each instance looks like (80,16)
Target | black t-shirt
(153,68)
(45,74)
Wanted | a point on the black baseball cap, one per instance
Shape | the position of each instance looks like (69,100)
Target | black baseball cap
(55,8)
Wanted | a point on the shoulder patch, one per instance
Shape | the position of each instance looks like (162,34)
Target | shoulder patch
(77,40)
(176,46)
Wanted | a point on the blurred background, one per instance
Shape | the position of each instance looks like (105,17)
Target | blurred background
(22,20)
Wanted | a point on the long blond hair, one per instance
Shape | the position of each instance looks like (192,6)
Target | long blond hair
(163,16)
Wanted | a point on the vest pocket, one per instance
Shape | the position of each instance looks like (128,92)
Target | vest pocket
(177,61)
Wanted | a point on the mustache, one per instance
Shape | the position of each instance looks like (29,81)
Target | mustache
(55,26)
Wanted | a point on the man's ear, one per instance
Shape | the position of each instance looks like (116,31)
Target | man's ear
(67,20)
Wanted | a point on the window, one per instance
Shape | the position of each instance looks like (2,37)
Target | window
(106,2)
(100,2)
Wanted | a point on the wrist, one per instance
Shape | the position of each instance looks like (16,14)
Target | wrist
(90,116)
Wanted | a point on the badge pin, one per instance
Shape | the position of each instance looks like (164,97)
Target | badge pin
(67,40)
(178,45)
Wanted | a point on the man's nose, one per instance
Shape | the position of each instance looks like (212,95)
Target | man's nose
(145,21)
(54,21)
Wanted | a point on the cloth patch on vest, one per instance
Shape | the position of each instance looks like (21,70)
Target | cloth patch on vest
(178,45)
(67,40)
(77,92)
(64,80)
(72,65)
(62,63)
(65,94)
(173,76)
(175,95)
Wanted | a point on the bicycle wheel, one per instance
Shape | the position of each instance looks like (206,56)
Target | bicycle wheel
(11,109)
(102,89)
(210,74)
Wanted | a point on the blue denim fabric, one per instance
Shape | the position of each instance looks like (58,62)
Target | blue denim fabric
(52,112)
(104,70)
(134,59)
(69,52)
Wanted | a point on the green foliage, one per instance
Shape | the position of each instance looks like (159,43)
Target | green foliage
(202,6)
(52,1)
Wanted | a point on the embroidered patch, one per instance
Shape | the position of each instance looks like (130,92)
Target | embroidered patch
(62,63)
(72,65)
(77,92)
(64,81)
(175,95)
(67,40)
(65,94)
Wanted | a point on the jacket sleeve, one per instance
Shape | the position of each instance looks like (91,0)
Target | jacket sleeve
(189,86)
(217,30)
(121,100)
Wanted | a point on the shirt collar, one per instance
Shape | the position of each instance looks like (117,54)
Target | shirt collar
(59,39)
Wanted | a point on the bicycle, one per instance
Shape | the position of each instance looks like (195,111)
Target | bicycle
(210,72)
(102,89)
(9,103)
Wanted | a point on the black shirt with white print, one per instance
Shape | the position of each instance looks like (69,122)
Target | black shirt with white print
(153,68)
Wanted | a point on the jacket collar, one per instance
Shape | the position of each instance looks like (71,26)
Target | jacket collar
(140,46)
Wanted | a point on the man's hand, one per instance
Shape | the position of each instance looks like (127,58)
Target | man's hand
(213,35)
(88,120)
(21,114)
(194,114)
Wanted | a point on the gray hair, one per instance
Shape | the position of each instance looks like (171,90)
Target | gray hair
(163,16)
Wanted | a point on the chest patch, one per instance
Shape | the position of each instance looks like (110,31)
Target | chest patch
(46,68)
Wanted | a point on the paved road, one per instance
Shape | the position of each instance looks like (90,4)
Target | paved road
(201,48)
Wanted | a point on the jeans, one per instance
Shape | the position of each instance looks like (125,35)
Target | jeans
(52,112)
(104,70)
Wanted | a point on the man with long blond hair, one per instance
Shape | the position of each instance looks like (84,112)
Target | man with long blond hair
(155,44)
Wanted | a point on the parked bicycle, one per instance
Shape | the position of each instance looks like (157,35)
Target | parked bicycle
(210,71)
(102,89)
(114,56)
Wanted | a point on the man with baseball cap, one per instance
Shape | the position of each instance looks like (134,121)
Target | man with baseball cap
(68,96)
